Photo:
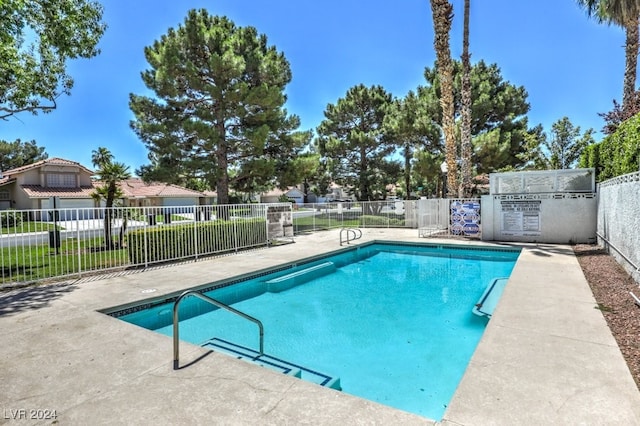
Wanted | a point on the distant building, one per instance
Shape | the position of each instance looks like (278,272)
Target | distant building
(33,186)
(293,194)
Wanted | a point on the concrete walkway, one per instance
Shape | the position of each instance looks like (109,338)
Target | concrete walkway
(547,356)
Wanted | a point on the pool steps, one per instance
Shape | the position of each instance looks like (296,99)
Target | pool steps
(489,299)
(286,282)
(273,363)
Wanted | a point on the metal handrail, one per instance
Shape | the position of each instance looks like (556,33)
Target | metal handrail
(176,322)
(348,231)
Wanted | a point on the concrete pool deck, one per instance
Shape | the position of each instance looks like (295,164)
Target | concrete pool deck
(547,355)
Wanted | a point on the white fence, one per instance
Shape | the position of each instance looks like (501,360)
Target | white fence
(37,245)
(543,181)
(371,214)
(619,222)
(449,217)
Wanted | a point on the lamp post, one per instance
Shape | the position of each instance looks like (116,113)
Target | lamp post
(444,169)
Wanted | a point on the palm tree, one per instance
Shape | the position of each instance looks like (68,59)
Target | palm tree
(442,13)
(101,156)
(110,174)
(625,14)
(465,131)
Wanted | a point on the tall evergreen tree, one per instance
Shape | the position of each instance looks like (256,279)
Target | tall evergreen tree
(532,157)
(353,140)
(218,111)
(411,125)
(498,115)
(566,144)
(17,153)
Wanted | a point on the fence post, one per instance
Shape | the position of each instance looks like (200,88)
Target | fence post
(146,243)
(79,246)
(235,230)
(195,231)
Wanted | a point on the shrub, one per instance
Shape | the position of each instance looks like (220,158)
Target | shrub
(617,154)
(370,221)
(164,243)
(10,219)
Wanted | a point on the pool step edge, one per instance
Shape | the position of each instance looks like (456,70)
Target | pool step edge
(271,362)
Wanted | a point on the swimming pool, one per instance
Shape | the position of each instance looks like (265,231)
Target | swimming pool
(392,323)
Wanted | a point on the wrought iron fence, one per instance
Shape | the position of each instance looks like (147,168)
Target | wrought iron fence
(42,244)
(37,245)
(370,214)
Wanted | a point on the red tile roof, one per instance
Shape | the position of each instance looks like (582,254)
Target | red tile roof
(136,187)
(49,161)
(5,180)
(37,191)
(131,188)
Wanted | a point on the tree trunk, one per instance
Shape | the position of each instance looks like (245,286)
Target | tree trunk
(465,133)
(222,175)
(631,62)
(111,191)
(407,170)
(442,12)
(364,183)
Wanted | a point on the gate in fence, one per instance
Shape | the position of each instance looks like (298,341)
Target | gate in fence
(449,217)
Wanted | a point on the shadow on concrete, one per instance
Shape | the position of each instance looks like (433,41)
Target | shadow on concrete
(543,250)
(198,359)
(31,298)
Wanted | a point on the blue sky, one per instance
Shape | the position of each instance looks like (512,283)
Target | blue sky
(569,64)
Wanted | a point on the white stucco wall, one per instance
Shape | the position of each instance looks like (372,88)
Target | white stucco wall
(619,220)
(540,218)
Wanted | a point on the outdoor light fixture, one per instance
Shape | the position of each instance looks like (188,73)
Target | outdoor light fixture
(444,169)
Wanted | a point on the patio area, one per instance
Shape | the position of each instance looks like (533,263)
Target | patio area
(547,355)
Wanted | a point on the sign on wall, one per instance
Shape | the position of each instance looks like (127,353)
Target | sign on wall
(520,217)
(465,218)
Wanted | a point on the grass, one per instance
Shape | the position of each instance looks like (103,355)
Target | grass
(27,227)
(346,220)
(160,218)
(324,221)
(34,262)
(604,308)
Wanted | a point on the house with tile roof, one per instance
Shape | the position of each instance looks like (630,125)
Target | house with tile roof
(33,186)
(293,194)
(137,193)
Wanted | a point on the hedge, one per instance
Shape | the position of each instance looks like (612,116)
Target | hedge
(617,154)
(167,242)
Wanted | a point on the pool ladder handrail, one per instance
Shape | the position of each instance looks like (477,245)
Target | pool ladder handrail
(357,234)
(176,322)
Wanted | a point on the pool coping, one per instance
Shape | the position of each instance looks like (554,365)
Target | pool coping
(132,307)
(553,361)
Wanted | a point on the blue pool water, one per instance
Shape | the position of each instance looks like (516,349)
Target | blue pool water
(393,322)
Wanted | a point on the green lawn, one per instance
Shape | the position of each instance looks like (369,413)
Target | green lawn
(27,263)
(322,221)
(26,227)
